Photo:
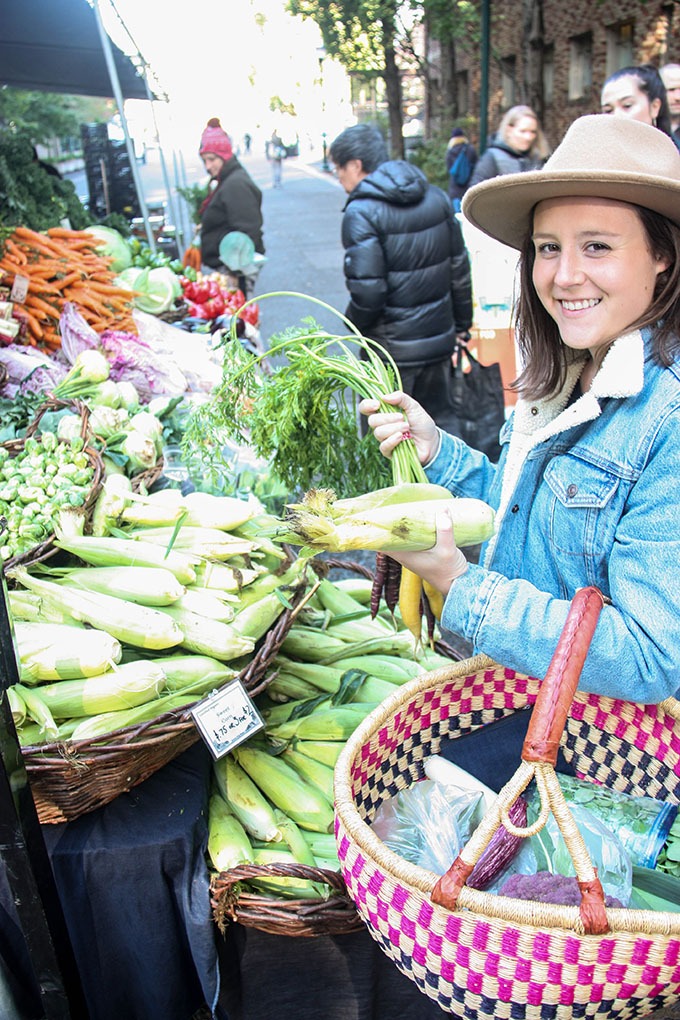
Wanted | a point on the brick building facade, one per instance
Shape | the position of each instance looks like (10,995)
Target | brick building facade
(556,55)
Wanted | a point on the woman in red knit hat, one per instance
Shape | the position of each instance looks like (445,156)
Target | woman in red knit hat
(233,203)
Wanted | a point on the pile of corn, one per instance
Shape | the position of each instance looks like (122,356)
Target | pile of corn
(163,605)
(272,799)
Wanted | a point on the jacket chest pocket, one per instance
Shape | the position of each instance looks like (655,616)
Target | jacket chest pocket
(583,503)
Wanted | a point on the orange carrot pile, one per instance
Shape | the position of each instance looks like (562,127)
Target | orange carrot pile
(63,265)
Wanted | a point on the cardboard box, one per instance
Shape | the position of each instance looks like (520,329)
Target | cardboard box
(491,345)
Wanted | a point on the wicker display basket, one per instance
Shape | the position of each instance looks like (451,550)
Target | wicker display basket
(47,548)
(71,778)
(334,914)
(478,954)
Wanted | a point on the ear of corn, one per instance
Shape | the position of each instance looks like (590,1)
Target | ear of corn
(324,678)
(222,576)
(143,513)
(39,712)
(325,751)
(205,603)
(56,651)
(136,625)
(208,542)
(391,495)
(17,706)
(391,528)
(292,836)
(338,602)
(373,691)
(224,513)
(148,586)
(110,503)
(284,787)
(311,644)
(246,800)
(255,620)
(188,672)
(291,888)
(208,637)
(128,685)
(228,843)
(286,687)
(256,587)
(25,605)
(324,724)
(358,587)
(320,776)
(322,844)
(118,552)
(391,668)
(108,722)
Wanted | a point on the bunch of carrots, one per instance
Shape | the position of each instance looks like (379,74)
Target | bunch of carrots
(63,265)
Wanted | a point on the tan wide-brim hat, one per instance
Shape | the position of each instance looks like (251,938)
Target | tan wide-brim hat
(600,156)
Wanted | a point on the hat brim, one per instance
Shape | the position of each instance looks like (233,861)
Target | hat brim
(502,207)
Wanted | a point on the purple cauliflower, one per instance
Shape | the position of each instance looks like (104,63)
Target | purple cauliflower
(544,887)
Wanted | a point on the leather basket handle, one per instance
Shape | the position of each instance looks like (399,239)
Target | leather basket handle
(557,690)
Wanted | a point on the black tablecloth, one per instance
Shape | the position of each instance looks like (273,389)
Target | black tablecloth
(133,884)
(343,977)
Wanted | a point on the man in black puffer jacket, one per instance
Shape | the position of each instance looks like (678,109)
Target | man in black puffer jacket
(406,265)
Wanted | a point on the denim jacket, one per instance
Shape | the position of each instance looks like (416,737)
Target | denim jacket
(585,493)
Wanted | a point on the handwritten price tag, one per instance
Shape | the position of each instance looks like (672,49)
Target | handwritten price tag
(19,290)
(226,718)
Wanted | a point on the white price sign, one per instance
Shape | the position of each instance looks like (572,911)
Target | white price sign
(227,718)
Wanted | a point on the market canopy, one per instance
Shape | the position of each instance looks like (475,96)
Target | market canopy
(55,46)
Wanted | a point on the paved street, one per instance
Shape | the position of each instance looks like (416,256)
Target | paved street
(302,241)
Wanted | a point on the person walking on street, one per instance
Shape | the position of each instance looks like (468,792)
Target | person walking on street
(461,157)
(670,74)
(637,92)
(234,202)
(406,265)
(518,145)
(276,153)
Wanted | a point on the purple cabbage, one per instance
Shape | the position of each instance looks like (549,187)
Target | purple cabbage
(29,370)
(76,334)
(136,361)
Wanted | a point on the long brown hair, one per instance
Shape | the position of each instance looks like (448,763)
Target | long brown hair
(543,354)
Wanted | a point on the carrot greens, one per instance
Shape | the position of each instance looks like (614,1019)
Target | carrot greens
(301,416)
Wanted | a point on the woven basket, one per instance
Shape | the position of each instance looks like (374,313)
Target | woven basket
(143,481)
(333,915)
(45,549)
(483,955)
(72,778)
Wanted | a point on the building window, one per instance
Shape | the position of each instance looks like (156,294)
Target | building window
(620,49)
(580,65)
(462,93)
(508,81)
(548,73)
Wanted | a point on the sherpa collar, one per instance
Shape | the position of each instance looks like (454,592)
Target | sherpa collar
(621,375)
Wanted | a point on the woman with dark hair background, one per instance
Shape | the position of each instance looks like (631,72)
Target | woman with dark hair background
(637,92)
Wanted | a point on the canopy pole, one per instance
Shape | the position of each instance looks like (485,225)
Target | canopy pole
(118,95)
(174,211)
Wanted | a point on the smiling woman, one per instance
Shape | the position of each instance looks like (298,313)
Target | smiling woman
(587,490)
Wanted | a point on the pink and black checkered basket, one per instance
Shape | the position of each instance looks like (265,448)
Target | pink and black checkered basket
(477,954)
